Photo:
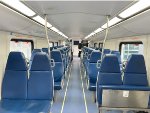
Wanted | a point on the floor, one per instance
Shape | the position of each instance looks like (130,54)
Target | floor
(75,98)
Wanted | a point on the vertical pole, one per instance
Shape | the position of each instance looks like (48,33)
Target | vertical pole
(106,34)
(46,33)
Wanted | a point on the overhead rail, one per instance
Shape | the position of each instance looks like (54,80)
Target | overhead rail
(46,34)
(18,7)
(137,8)
(106,34)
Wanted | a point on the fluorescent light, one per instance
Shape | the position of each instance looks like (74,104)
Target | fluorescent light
(98,30)
(91,34)
(16,4)
(54,29)
(60,33)
(111,22)
(86,37)
(142,4)
(42,21)
(49,25)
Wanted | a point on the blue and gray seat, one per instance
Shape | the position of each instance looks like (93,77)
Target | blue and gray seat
(110,85)
(20,95)
(92,70)
(45,50)
(58,70)
(32,55)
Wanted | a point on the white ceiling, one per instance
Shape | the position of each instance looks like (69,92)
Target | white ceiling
(13,22)
(77,19)
(136,26)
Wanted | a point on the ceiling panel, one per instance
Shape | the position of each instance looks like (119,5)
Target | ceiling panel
(136,26)
(14,22)
(77,18)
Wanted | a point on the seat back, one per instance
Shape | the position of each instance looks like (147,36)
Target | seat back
(110,71)
(45,50)
(56,55)
(14,85)
(58,70)
(117,53)
(40,84)
(135,71)
(32,55)
(95,56)
(106,51)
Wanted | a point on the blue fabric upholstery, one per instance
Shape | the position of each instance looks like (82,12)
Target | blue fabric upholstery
(16,62)
(110,64)
(40,84)
(95,56)
(25,106)
(45,50)
(109,74)
(14,85)
(117,53)
(106,51)
(92,70)
(41,62)
(56,55)
(32,55)
(135,71)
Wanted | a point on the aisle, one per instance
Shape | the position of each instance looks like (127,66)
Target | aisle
(74,100)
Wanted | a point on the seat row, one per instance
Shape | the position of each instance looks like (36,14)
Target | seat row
(123,90)
(116,89)
(62,59)
(23,92)
(90,59)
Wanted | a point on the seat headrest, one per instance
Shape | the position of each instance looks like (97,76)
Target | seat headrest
(110,64)
(117,53)
(45,50)
(36,50)
(90,51)
(41,62)
(16,61)
(95,56)
(106,51)
(135,64)
(56,55)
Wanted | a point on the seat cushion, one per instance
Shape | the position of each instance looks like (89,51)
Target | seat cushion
(25,106)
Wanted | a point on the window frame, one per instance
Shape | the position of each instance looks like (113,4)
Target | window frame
(24,40)
(128,42)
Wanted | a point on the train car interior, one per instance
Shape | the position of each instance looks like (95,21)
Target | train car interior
(74,56)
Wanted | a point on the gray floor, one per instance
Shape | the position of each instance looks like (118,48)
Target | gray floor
(75,98)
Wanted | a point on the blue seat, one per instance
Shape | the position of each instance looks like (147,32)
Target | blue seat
(15,75)
(32,55)
(106,51)
(58,70)
(45,50)
(16,96)
(135,71)
(40,84)
(14,84)
(109,75)
(117,53)
(93,70)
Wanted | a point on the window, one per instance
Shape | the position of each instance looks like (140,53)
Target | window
(76,43)
(95,45)
(51,44)
(128,48)
(56,44)
(25,46)
(100,45)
